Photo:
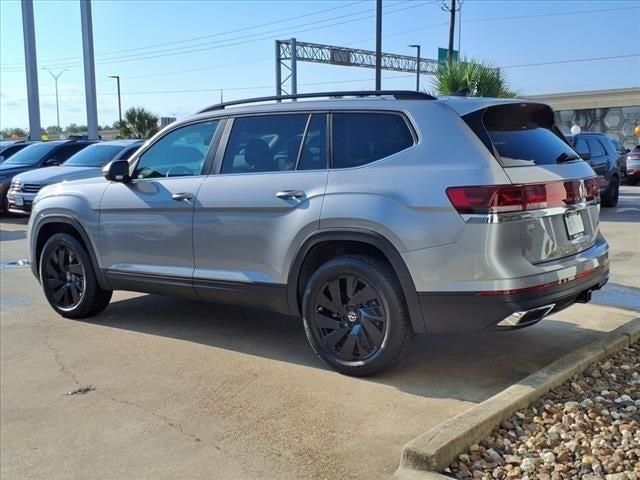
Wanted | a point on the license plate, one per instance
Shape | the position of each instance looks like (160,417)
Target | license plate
(18,200)
(573,222)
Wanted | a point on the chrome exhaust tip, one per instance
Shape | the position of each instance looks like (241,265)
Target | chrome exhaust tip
(526,317)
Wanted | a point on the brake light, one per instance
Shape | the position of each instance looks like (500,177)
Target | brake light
(519,198)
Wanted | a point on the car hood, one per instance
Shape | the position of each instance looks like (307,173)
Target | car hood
(12,170)
(49,175)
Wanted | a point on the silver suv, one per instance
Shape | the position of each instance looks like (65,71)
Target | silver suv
(373,218)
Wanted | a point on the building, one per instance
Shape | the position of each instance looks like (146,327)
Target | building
(164,121)
(614,112)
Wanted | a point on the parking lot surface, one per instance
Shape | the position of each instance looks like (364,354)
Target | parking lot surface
(165,388)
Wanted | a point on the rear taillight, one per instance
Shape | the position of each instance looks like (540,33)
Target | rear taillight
(520,198)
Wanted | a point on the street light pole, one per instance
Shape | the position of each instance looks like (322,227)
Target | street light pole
(417,47)
(55,79)
(117,77)
(378,44)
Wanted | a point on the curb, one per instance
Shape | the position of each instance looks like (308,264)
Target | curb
(437,448)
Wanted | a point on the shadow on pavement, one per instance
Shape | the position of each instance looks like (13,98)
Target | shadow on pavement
(465,367)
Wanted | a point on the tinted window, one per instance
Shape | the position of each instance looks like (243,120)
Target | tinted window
(32,154)
(126,154)
(581,146)
(181,152)
(93,156)
(9,151)
(361,138)
(264,144)
(314,151)
(596,147)
(523,134)
(63,153)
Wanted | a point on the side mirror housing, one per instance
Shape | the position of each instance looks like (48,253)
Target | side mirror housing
(585,156)
(117,171)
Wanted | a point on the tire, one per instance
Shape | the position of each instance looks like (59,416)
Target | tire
(368,328)
(68,278)
(610,196)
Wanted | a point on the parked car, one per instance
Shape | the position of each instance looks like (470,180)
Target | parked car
(373,218)
(598,150)
(87,163)
(9,147)
(37,155)
(632,162)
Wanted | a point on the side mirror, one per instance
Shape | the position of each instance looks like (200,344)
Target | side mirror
(585,155)
(117,171)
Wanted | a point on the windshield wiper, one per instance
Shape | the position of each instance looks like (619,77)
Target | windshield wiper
(566,157)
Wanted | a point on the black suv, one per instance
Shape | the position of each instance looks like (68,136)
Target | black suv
(598,150)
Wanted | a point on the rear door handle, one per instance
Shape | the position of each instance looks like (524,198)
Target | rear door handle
(182,196)
(289,194)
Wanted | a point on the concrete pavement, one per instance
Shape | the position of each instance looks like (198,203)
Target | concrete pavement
(195,390)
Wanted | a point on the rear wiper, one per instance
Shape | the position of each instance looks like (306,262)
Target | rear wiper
(565,157)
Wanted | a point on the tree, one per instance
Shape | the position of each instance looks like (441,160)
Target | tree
(479,79)
(54,130)
(11,132)
(138,123)
(74,128)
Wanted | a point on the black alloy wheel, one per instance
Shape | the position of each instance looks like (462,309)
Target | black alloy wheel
(349,318)
(64,277)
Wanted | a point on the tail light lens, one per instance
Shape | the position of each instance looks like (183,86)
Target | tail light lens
(520,198)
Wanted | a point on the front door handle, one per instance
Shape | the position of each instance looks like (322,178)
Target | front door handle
(289,194)
(182,196)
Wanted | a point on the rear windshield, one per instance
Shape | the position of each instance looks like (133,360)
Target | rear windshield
(524,134)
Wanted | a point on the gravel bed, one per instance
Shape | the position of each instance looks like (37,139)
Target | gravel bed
(588,428)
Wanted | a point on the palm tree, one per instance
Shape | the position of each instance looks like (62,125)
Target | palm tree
(478,79)
(138,123)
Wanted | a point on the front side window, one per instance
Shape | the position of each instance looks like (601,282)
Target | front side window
(179,153)
(581,146)
(361,138)
(65,152)
(268,143)
(313,155)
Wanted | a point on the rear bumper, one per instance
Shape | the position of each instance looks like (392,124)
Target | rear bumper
(469,312)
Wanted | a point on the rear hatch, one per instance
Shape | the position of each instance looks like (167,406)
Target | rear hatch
(558,191)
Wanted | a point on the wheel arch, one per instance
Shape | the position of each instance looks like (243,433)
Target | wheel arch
(369,239)
(52,224)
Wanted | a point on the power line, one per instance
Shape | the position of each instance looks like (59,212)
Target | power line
(592,59)
(216,44)
(219,34)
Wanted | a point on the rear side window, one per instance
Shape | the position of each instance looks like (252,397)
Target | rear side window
(524,134)
(361,138)
(597,150)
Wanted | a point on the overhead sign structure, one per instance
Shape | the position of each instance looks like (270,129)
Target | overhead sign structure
(289,52)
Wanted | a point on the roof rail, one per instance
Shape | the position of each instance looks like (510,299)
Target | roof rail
(397,94)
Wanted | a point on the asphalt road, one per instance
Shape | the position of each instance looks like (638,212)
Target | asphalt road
(174,389)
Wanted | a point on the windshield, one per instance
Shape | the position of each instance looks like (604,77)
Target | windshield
(30,155)
(94,156)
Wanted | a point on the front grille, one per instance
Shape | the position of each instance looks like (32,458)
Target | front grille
(31,187)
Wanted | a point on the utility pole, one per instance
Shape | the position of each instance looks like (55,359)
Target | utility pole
(378,44)
(460,27)
(117,77)
(417,66)
(31,67)
(55,79)
(452,27)
(89,69)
